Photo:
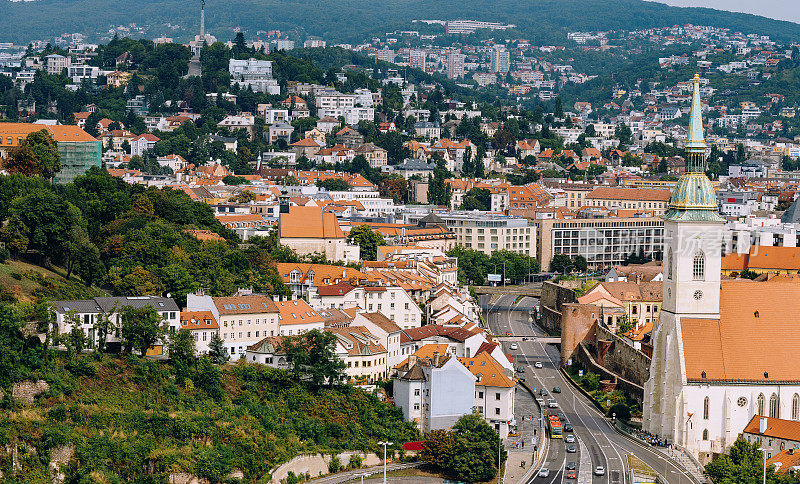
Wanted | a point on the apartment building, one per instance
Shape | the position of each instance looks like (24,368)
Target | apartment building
(604,242)
(494,391)
(86,313)
(243,320)
(486,232)
(645,199)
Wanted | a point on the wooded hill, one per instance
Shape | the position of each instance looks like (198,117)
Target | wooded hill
(540,21)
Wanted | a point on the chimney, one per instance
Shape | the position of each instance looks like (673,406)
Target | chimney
(436,359)
(412,360)
(762,426)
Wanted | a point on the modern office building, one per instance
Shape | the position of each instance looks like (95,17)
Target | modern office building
(603,242)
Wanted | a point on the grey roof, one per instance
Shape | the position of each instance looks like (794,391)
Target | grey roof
(426,124)
(792,214)
(107,304)
(415,164)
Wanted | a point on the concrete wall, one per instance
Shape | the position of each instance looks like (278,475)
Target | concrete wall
(622,358)
(317,465)
(554,296)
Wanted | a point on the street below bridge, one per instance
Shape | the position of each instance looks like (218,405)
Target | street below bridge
(597,442)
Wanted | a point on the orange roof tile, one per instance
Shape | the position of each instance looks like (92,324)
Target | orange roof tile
(309,222)
(756,339)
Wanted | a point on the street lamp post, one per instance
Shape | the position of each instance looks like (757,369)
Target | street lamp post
(384,444)
(764,451)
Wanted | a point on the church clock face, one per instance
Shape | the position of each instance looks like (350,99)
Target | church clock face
(741,401)
(698,295)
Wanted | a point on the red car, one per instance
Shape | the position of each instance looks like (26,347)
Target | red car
(571,475)
(508,333)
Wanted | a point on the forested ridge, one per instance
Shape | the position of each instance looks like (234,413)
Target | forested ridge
(541,21)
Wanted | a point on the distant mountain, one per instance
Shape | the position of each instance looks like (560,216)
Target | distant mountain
(354,20)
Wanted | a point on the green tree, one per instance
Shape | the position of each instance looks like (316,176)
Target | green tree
(468,453)
(311,357)
(437,449)
(477,199)
(334,184)
(141,328)
(182,346)
(36,156)
(560,263)
(216,350)
(743,465)
(367,239)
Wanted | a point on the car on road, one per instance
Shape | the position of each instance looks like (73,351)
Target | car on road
(552,404)
(514,346)
(572,475)
(542,392)
(508,333)
(599,471)
(570,466)
(572,449)
(538,364)
(556,389)
(570,439)
(544,472)
(567,427)
(520,369)
(561,416)
(540,401)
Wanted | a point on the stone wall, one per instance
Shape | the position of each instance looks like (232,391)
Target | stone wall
(317,465)
(621,357)
(578,324)
(554,296)
(28,390)
(587,361)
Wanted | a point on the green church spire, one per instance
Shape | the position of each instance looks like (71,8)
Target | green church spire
(694,199)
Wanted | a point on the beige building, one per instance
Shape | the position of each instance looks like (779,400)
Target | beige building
(309,230)
(375,155)
(648,199)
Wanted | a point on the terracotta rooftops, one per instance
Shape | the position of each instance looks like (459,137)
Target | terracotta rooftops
(198,320)
(756,339)
(253,304)
(490,373)
(777,428)
(417,334)
(309,222)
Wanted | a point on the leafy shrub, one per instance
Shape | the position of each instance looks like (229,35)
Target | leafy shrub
(335,465)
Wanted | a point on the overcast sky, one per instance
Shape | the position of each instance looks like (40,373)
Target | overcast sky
(777,9)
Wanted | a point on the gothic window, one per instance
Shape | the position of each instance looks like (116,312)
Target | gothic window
(774,412)
(669,263)
(796,407)
(705,434)
(699,266)
(761,404)
(705,408)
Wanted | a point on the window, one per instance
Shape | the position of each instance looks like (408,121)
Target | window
(669,263)
(416,392)
(699,266)
(497,396)
(480,394)
(497,411)
(705,408)
(774,411)
(705,434)
(796,407)
(761,404)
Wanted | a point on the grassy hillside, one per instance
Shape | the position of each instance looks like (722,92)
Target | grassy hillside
(352,20)
(31,283)
(134,420)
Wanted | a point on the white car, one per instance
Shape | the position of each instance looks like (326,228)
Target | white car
(544,472)
(514,346)
(552,404)
(538,364)
(599,471)
(570,439)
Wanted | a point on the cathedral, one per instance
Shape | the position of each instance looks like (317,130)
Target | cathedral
(724,350)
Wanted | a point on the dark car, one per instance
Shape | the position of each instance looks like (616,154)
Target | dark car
(520,369)
(561,416)
(567,427)
(542,392)
(556,390)
(570,466)
(572,449)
